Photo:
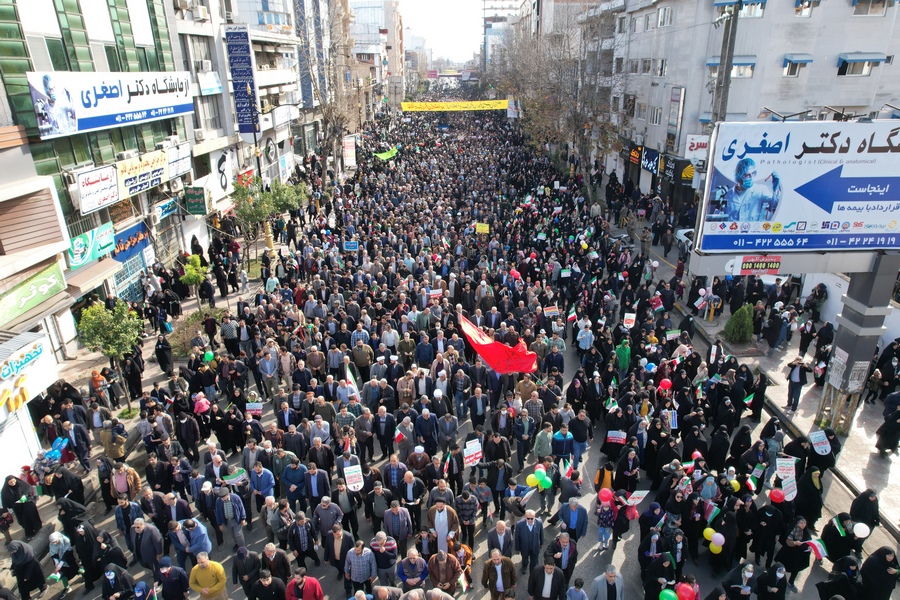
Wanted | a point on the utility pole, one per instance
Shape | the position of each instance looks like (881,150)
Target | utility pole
(726,62)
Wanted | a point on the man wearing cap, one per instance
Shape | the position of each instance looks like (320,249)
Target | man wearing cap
(444,571)
(117,582)
(231,516)
(208,579)
(173,581)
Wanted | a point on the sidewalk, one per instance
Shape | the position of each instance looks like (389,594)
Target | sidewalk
(858,464)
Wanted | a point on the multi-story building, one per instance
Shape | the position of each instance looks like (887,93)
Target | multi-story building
(384,17)
(797,60)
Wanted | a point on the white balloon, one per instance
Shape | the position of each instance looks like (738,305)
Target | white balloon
(861,530)
(702,291)
(643,362)
(655,264)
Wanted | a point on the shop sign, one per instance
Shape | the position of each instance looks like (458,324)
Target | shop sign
(32,292)
(131,241)
(141,173)
(635,155)
(28,370)
(165,208)
(650,160)
(178,159)
(668,168)
(88,247)
(197,200)
(97,188)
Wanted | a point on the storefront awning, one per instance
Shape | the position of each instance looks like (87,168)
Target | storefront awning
(797,58)
(739,60)
(27,320)
(86,279)
(851,57)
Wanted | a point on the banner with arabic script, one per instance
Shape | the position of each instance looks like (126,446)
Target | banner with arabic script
(66,103)
(801,187)
(454,106)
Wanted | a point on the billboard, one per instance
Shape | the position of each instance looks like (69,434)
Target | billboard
(69,102)
(240,63)
(98,188)
(89,246)
(801,187)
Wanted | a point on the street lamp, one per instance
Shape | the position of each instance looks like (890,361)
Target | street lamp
(767,112)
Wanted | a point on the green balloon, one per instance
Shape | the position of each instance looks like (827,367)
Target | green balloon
(208,356)
(668,595)
(543,479)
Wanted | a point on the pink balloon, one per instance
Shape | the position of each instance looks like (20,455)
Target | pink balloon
(666,384)
(606,495)
(540,467)
(718,539)
(696,455)
(515,274)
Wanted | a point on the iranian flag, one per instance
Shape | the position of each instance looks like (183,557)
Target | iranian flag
(839,527)
(688,466)
(567,468)
(818,548)
(351,381)
(447,466)
(749,400)
(677,360)
(397,436)
(710,511)
(753,480)
(593,280)
(571,317)
(463,584)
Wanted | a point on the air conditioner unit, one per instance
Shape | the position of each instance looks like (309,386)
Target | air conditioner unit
(203,66)
(229,17)
(176,185)
(199,136)
(173,140)
(201,13)
(163,145)
(154,219)
(182,4)
(126,155)
(71,179)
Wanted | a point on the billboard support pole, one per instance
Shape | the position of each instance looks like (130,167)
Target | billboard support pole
(860,326)
(726,62)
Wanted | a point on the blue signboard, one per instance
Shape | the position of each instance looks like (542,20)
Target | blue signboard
(802,186)
(650,160)
(240,62)
(131,241)
(351,246)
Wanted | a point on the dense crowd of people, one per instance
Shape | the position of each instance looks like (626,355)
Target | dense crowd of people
(351,346)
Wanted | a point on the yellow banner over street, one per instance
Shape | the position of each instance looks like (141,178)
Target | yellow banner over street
(454,106)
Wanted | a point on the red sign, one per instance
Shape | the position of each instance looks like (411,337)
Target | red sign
(245,178)
(759,265)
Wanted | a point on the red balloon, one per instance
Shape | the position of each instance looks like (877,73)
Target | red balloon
(696,455)
(515,274)
(684,591)
(776,496)
(606,495)
(533,255)
(666,384)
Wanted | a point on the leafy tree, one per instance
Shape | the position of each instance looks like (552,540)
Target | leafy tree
(112,333)
(283,197)
(193,274)
(739,328)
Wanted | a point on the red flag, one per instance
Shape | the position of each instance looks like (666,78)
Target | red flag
(500,357)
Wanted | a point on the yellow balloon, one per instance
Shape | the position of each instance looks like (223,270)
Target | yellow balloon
(708,533)
(715,549)
(584,246)
(735,485)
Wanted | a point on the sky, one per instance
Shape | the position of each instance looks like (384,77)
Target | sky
(451,28)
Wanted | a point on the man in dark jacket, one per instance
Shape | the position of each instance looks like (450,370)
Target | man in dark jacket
(538,582)
(173,580)
(148,545)
(268,587)
(245,569)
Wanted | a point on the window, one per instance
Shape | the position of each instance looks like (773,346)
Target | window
(112,58)
(614,103)
(619,65)
(207,115)
(58,56)
(855,69)
(649,22)
(665,16)
(646,66)
(659,68)
(623,25)
(753,11)
(655,115)
(642,112)
(201,50)
(793,69)
(804,9)
(633,66)
(737,72)
(635,22)
(869,8)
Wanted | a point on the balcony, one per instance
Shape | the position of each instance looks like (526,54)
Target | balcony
(267,77)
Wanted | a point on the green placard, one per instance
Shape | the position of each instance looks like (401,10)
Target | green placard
(31,292)
(92,245)
(195,201)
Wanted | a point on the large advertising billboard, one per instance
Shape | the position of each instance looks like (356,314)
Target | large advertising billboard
(800,187)
(68,102)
